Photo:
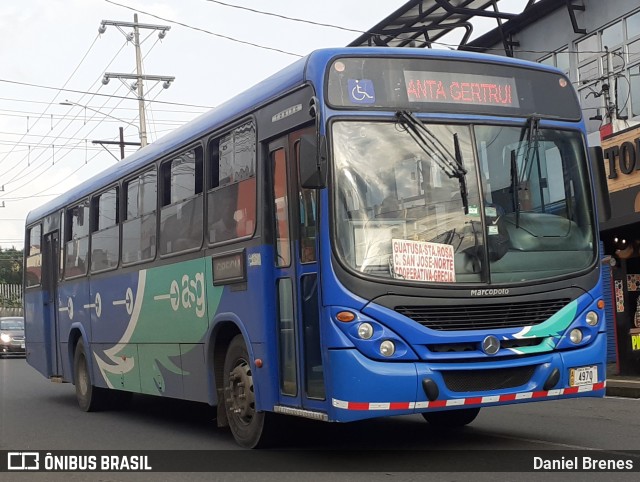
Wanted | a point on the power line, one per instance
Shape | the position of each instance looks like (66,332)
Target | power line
(26,113)
(52,144)
(66,147)
(347,29)
(293,19)
(83,92)
(18,176)
(208,31)
(168,122)
(119,108)
(66,82)
(29,197)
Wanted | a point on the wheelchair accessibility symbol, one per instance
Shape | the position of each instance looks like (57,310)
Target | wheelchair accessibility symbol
(361,91)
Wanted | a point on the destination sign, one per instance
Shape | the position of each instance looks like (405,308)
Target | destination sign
(229,268)
(459,88)
(443,83)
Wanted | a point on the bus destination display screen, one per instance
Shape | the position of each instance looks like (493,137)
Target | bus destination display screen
(459,88)
(435,82)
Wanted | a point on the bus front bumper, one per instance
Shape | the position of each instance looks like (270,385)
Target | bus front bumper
(364,388)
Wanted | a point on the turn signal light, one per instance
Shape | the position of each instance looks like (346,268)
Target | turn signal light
(345,316)
(601,304)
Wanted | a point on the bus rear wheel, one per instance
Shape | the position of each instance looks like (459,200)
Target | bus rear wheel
(90,398)
(451,418)
(250,428)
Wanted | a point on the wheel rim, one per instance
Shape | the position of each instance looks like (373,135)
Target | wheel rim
(241,397)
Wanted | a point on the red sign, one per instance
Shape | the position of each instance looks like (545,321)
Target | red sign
(452,88)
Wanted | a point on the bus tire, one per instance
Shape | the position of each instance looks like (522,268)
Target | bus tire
(90,398)
(451,418)
(249,427)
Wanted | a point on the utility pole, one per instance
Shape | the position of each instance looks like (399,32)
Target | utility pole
(136,42)
(139,76)
(120,143)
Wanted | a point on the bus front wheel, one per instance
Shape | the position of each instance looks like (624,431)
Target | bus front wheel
(90,398)
(451,418)
(248,426)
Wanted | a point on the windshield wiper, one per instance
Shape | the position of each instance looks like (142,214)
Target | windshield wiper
(533,129)
(451,164)
(515,187)
(518,179)
(462,179)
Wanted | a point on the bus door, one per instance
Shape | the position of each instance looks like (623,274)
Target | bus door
(50,262)
(301,374)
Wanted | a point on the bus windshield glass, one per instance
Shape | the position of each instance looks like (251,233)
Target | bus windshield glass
(444,203)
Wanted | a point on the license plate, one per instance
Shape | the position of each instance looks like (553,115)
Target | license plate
(583,376)
(22,346)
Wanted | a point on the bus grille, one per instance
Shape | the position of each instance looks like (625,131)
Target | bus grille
(482,380)
(484,317)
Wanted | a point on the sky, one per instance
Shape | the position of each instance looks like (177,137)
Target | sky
(51,52)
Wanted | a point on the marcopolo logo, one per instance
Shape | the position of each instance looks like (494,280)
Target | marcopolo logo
(494,292)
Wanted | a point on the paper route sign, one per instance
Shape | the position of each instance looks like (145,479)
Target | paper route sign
(423,261)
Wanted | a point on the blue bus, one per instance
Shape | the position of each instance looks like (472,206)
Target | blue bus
(369,232)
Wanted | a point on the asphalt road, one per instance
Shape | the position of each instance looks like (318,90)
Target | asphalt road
(38,415)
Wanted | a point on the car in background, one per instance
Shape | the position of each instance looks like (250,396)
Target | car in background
(12,336)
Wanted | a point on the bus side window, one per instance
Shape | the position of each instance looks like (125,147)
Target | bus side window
(33,274)
(105,231)
(281,208)
(182,209)
(231,198)
(61,256)
(308,219)
(139,225)
(77,240)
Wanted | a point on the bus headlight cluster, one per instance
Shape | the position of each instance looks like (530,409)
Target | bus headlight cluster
(387,348)
(576,335)
(592,318)
(365,331)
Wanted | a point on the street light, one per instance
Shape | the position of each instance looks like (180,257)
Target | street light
(121,143)
(70,103)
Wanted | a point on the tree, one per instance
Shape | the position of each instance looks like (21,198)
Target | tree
(11,266)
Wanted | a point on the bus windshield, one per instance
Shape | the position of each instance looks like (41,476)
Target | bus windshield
(445,203)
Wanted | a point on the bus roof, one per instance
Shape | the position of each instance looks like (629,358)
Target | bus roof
(309,68)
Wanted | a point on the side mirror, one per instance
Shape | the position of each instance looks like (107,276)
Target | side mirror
(601,188)
(313,162)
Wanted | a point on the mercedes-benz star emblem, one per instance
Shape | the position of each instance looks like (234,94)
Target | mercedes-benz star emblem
(490,345)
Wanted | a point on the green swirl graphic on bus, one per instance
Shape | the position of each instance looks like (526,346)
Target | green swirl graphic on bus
(154,340)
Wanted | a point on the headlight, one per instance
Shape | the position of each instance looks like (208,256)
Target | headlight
(365,331)
(5,337)
(592,318)
(576,335)
(387,348)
